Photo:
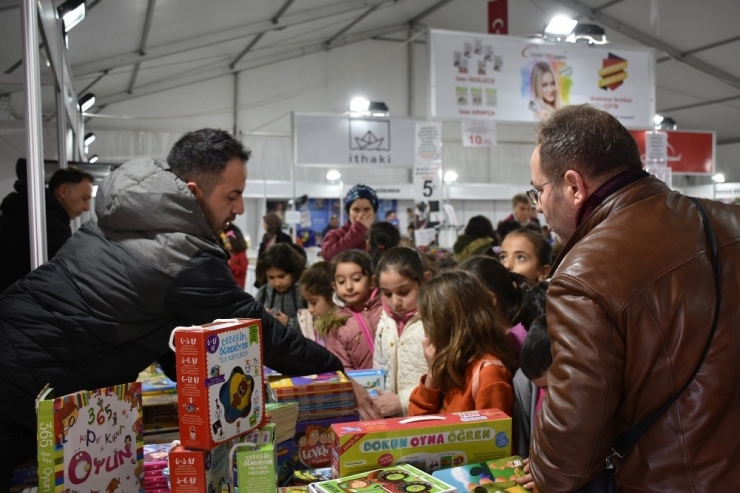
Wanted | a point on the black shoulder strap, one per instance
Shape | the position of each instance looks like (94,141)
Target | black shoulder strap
(624,442)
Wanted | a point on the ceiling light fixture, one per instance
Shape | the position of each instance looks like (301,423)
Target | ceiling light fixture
(86,102)
(71,12)
(450,177)
(90,138)
(718,178)
(359,104)
(561,25)
(93,159)
(589,34)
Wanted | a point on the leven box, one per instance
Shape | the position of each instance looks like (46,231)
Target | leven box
(426,442)
(219,381)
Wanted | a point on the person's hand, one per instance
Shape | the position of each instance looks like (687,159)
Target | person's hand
(281,317)
(366,219)
(430,352)
(364,403)
(387,403)
(526,481)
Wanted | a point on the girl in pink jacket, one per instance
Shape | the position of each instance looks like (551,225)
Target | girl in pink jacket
(357,299)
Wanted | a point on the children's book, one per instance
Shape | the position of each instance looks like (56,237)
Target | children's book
(495,476)
(90,440)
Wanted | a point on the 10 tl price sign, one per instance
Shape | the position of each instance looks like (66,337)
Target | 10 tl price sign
(478,133)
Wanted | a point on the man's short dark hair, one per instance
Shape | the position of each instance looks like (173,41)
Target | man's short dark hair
(587,140)
(536,356)
(204,153)
(72,174)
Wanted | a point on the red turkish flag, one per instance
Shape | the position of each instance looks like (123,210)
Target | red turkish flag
(498,17)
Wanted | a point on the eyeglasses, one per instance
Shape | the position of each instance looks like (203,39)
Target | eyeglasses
(535,193)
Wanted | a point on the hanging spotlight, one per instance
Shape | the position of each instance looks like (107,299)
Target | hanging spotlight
(71,12)
(718,178)
(86,102)
(560,25)
(359,104)
(90,138)
(93,159)
(378,108)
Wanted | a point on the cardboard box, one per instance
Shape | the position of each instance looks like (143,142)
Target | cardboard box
(220,383)
(495,475)
(396,479)
(427,442)
(201,471)
(256,462)
(312,445)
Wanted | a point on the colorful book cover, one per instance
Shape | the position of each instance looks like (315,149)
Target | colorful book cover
(90,440)
(400,478)
(283,386)
(492,476)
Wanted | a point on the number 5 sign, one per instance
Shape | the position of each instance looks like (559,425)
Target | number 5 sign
(427,179)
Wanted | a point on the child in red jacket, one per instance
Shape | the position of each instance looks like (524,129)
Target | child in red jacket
(470,362)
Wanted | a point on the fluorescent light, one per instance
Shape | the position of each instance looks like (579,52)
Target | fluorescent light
(93,159)
(86,102)
(71,12)
(359,104)
(95,190)
(333,175)
(718,178)
(90,138)
(450,177)
(561,25)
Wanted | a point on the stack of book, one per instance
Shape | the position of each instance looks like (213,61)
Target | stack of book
(159,401)
(325,395)
(284,416)
(155,462)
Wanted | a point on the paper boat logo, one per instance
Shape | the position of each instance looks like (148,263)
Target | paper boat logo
(369,135)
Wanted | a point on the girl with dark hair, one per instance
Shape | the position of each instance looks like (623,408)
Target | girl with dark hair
(381,237)
(398,351)
(281,267)
(273,226)
(470,363)
(526,252)
(353,342)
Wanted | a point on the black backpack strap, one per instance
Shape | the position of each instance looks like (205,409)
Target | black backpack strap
(624,442)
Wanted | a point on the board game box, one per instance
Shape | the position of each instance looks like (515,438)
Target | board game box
(428,442)
(219,381)
(491,476)
(402,478)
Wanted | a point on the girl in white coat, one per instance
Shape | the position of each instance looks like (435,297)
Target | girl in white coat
(398,349)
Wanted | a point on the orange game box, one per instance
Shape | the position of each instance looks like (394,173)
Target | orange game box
(220,383)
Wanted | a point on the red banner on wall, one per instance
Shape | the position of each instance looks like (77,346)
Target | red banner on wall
(498,17)
(688,152)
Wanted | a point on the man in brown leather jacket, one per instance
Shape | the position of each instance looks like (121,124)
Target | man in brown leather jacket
(629,312)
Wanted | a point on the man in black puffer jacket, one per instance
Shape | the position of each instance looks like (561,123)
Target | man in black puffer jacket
(102,310)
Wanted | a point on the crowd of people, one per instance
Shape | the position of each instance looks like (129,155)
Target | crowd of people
(577,347)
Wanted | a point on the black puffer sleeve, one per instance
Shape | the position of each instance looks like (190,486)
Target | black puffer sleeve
(205,290)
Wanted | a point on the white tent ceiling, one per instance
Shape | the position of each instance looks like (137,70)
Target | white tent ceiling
(129,48)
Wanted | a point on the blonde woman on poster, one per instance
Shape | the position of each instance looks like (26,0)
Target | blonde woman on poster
(545,92)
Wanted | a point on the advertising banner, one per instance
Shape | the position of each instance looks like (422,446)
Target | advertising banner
(329,140)
(687,152)
(480,76)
